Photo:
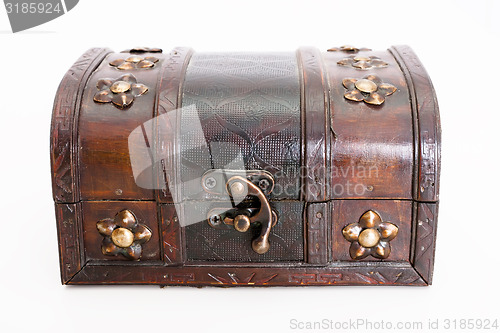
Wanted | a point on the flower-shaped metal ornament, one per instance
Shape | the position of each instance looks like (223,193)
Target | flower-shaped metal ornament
(134,62)
(348,49)
(121,92)
(361,62)
(369,89)
(123,235)
(142,49)
(370,236)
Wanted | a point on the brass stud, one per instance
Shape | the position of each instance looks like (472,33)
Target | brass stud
(369,89)
(145,64)
(105,227)
(358,58)
(109,248)
(351,232)
(349,83)
(375,79)
(388,231)
(120,86)
(378,63)
(128,78)
(237,189)
(348,49)
(386,89)
(345,62)
(369,238)
(139,89)
(152,59)
(103,96)
(361,65)
(134,62)
(242,223)
(369,219)
(117,62)
(375,99)
(354,95)
(104,84)
(122,100)
(366,86)
(360,62)
(382,250)
(126,66)
(358,252)
(144,50)
(134,59)
(125,219)
(122,237)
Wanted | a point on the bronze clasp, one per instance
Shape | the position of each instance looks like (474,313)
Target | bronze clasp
(239,185)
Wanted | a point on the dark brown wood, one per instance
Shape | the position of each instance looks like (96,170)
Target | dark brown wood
(398,212)
(361,178)
(318,229)
(105,167)
(427,128)
(230,276)
(372,152)
(94,211)
(425,239)
(63,147)
(69,234)
(174,245)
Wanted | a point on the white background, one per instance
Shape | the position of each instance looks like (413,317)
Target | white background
(457,41)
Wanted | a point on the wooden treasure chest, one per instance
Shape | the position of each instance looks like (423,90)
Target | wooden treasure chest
(246,169)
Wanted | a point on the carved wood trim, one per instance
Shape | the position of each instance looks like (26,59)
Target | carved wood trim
(427,127)
(228,276)
(318,218)
(172,236)
(425,239)
(68,217)
(64,121)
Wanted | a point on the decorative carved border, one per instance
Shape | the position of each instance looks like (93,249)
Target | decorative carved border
(318,232)
(425,239)
(172,236)
(64,122)
(275,275)
(69,234)
(427,127)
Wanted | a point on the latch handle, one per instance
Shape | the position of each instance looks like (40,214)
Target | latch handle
(239,187)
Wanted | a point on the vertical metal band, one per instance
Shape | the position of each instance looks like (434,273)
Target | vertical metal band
(168,99)
(315,125)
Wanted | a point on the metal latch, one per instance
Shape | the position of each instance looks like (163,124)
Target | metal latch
(240,184)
